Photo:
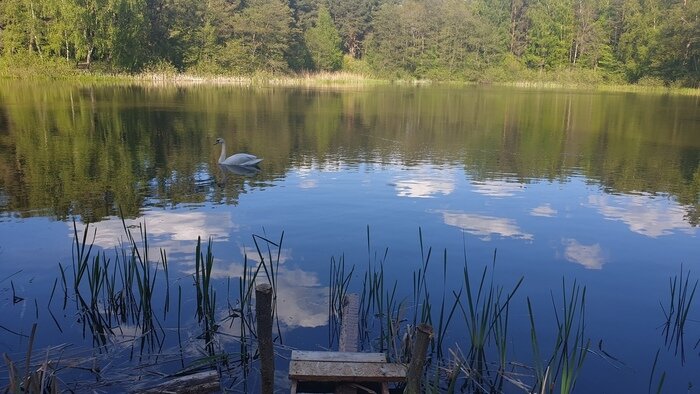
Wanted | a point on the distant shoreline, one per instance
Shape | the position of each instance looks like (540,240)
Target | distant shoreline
(340,79)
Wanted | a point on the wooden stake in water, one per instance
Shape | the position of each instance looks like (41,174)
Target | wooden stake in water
(420,349)
(348,328)
(263,314)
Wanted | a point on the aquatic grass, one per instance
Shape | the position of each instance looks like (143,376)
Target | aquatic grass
(338,289)
(107,294)
(443,323)
(206,295)
(372,305)
(122,291)
(570,346)
(662,378)
(41,380)
(680,301)
(486,318)
(80,256)
(125,288)
(420,290)
(166,303)
(484,306)
(271,270)
(573,321)
(15,298)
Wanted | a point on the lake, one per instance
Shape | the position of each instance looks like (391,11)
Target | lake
(600,189)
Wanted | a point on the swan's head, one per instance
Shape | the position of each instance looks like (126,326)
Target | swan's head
(219,141)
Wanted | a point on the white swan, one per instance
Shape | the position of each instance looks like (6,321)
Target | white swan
(239,159)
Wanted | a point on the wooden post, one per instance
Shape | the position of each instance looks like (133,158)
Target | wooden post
(348,327)
(263,314)
(420,349)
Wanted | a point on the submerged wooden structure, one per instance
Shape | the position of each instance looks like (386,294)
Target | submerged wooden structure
(346,370)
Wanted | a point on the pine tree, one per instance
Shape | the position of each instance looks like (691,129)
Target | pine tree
(323,42)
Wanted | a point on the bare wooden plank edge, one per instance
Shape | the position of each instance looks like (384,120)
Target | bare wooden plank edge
(322,371)
(342,357)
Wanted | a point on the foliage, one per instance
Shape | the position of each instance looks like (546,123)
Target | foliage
(323,42)
(479,40)
(25,65)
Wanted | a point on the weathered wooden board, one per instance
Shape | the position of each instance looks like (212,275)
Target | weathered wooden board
(348,326)
(328,371)
(351,357)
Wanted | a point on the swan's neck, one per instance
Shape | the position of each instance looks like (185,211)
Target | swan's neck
(222,157)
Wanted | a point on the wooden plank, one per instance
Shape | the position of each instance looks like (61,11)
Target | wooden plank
(323,371)
(346,357)
(348,327)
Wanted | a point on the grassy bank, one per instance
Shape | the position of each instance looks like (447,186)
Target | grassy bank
(32,67)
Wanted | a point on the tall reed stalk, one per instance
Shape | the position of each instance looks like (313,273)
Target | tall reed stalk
(571,346)
(676,313)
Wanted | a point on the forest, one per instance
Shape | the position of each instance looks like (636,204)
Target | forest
(648,42)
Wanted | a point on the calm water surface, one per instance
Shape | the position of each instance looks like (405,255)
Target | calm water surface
(601,188)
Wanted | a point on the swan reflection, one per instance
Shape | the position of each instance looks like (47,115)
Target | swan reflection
(239,170)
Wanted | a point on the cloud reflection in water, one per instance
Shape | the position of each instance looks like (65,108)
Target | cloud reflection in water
(427,183)
(485,226)
(544,210)
(589,256)
(497,188)
(644,214)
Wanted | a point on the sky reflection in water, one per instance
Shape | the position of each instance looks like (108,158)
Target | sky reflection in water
(470,182)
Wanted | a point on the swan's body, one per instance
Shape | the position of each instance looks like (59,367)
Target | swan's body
(239,159)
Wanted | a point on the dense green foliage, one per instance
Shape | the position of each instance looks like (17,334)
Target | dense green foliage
(640,41)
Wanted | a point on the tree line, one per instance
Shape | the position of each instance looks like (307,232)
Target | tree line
(652,41)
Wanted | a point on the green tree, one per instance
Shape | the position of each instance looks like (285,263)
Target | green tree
(397,45)
(210,36)
(444,41)
(263,33)
(128,35)
(639,39)
(591,42)
(354,19)
(680,38)
(25,25)
(550,34)
(324,42)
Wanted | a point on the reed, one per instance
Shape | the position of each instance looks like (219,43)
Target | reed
(680,301)
(40,380)
(112,292)
(271,269)
(662,378)
(571,335)
(338,289)
(81,256)
(206,295)
(570,347)
(486,317)
(107,295)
